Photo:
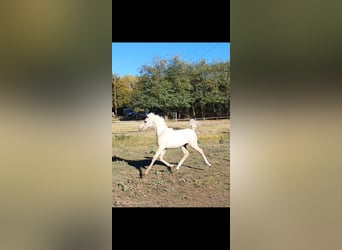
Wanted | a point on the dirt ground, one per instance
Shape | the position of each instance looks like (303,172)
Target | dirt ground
(194,185)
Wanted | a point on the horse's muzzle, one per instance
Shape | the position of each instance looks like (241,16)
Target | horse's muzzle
(141,127)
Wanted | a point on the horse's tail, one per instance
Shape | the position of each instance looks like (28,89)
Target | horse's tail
(193,124)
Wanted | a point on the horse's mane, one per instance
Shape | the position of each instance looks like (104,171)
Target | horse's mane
(155,117)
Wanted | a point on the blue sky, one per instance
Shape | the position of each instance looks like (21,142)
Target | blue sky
(127,58)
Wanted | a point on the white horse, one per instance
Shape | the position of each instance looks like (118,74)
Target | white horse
(169,138)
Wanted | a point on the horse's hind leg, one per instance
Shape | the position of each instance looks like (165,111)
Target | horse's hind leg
(159,151)
(161,157)
(186,154)
(197,148)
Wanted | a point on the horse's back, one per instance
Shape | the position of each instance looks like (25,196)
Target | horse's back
(177,138)
(186,133)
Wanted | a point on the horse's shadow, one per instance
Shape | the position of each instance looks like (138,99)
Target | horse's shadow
(139,164)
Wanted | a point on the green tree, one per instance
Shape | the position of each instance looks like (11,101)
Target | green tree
(125,86)
(115,79)
(181,88)
(178,79)
(152,91)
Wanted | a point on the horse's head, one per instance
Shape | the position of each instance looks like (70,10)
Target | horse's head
(148,122)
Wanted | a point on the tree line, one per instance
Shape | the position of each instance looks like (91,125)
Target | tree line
(176,89)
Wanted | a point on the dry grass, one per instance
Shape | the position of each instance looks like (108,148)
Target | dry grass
(193,185)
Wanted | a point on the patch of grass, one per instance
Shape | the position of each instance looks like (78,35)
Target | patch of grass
(210,137)
(129,140)
(122,137)
(194,184)
(224,140)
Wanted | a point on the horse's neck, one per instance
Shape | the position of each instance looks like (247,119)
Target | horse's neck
(160,128)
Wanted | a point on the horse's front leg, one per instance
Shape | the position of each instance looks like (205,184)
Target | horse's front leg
(161,157)
(155,157)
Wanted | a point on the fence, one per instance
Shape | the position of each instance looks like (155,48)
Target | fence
(205,118)
(204,125)
(187,119)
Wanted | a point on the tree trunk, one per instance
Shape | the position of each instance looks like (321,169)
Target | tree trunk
(115,99)
(193,111)
(202,111)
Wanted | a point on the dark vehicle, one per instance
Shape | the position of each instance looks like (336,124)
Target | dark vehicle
(130,114)
(140,115)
